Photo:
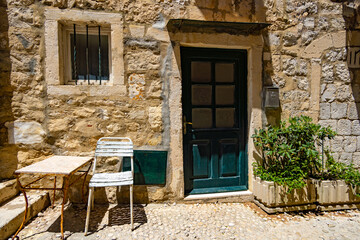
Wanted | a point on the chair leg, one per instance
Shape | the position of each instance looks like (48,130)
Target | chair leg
(88,210)
(92,199)
(131,207)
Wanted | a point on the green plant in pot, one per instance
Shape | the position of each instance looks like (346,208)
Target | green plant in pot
(290,151)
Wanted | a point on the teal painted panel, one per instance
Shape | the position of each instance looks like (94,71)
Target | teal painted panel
(201,157)
(228,160)
(149,167)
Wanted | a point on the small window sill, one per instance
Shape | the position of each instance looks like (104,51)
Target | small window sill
(89,90)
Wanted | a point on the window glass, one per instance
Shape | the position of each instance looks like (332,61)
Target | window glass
(201,72)
(225,117)
(201,118)
(224,72)
(201,94)
(224,95)
(93,50)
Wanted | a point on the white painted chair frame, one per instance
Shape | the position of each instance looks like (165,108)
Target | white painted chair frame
(112,147)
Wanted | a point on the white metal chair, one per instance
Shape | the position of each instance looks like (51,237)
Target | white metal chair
(112,147)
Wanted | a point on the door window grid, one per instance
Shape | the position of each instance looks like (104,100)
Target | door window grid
(223,108)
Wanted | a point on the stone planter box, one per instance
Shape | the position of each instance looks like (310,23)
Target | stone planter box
(322,195)
(273,197)
(335,195)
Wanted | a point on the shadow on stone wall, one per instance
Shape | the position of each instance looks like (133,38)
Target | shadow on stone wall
(8,152)
(243,11)
(271,116)
(352,23)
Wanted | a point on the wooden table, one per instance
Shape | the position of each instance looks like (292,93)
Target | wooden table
(57,166)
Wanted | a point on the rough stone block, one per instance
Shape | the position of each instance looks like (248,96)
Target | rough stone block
(289,66)
(25,132)
(308,36)
(356,159)
(328,93)
(290,39)
(155,118)
(346,158)
(337,23)
(137,31)
(274,39)
(358,144)
(344,127)
(143,60)
(329,123)
(58,125)
(309,23)
(327,72)
(343,93)
(330,8)
(136,86)
(158,34)
(338,110)
(349,144)
(324,110)
(355,127)
(353,113)
(342,73)
(337,144)
(302,67)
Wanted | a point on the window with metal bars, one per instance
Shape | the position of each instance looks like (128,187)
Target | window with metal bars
(89,54)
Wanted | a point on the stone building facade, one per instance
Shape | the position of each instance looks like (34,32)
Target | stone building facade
(304,52)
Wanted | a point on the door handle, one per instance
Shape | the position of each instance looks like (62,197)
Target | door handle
(185,123)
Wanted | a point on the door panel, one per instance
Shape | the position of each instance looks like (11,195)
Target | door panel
(229,162)
(215,124)
(201,158)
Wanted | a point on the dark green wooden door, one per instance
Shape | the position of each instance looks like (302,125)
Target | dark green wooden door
(215,119)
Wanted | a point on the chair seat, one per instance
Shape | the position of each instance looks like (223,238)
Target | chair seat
(111,179)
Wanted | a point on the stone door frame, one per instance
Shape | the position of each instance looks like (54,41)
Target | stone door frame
(254,46)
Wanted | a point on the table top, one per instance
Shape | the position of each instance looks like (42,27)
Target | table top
(56,165)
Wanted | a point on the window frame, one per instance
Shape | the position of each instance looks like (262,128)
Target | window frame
(56,85)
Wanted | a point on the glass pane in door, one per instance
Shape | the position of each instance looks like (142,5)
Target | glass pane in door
(225,117)
(224,95)
(224,72)
(201,72)
(201,117)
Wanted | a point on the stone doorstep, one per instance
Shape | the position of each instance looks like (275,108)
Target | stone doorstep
(226,197)
(12,213)
(8,190)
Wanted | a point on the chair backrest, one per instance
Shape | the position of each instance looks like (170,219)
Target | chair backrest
(114,147)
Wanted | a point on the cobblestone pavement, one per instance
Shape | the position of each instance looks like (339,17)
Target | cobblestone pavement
(193,221)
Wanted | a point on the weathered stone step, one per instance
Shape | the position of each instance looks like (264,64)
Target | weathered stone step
(12,213)
(8,190)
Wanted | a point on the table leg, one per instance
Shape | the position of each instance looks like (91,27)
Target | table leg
(53,203)
(65,189)
(26,206)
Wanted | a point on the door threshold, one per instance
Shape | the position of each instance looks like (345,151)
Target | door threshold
(238,196)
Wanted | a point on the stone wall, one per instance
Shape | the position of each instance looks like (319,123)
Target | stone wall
(8,161)
(306,58)
(304,54)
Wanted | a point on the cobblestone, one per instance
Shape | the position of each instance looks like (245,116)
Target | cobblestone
(193,221)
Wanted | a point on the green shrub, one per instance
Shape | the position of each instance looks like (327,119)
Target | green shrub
(336,170)
(290,153)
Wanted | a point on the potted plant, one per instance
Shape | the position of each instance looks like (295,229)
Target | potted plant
(292,173)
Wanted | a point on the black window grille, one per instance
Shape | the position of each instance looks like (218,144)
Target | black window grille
(89,56)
